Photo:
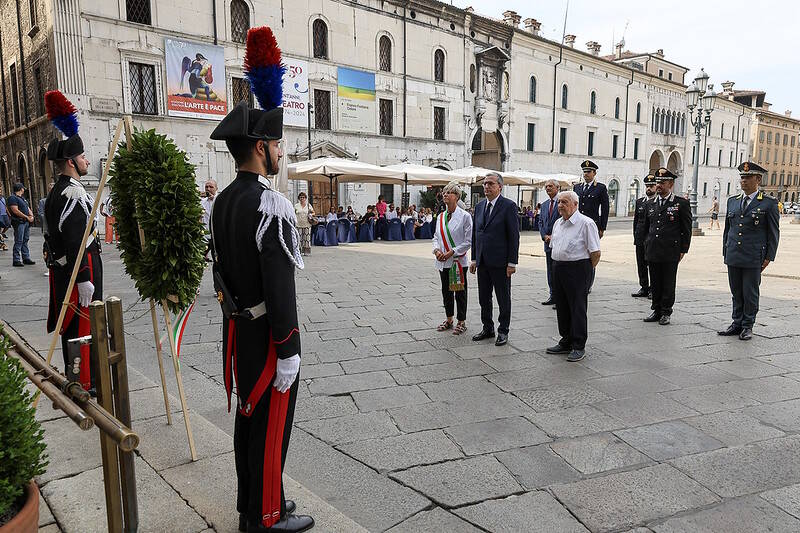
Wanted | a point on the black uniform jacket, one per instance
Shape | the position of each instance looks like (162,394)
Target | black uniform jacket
(639,216)
(254,276)
(752,236)
(593,202)
(668,229)
(64,241)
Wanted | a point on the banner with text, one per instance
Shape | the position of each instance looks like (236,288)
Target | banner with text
(295,93)
(356,100)
(195,79)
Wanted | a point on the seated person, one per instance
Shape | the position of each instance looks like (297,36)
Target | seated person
(391,213)
(350,214)
(331,215)
(340,212)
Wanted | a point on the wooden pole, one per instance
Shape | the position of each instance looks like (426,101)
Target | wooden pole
(82,249)
(177,365)
(160,360)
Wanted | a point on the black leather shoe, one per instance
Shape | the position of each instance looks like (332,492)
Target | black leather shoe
(746,334)
(650,295)
(549,301)
(576,355)
(502,338)
(17,264)
(483,335)
(28,262)
(732,330)
(664,320)
(558,348)
(654,317)
(641,294)
(291,524)
(290,508)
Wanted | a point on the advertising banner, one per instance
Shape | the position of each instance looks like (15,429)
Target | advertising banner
(195,79)
(295,93)
(356,100)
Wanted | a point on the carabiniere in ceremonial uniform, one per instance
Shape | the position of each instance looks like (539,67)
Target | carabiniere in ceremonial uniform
(669,231)
(749,244)
(639,234)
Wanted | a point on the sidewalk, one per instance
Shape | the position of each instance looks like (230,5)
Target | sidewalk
(401,428)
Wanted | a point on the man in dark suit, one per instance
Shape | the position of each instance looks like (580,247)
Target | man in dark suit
(548,216)
(495,252)
(669,231)
(749,244)
(639,236)
(592,200)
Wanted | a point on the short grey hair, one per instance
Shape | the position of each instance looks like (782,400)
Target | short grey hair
(551,180)
(572,195)
(453,187)
(497,175)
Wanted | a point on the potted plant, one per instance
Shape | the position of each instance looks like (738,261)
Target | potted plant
(22,448)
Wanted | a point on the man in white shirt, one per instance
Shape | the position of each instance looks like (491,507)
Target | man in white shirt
(575,244)
(391,213)
(207,203)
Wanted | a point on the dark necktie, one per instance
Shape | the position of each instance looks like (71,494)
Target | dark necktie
(550,212)
(488,211)
(745,201)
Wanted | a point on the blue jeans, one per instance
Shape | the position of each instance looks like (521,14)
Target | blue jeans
(21,235)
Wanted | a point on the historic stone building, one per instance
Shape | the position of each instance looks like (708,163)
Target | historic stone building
(776,141)
(386,80)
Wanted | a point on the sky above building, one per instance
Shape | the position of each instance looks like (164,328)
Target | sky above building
(753,44)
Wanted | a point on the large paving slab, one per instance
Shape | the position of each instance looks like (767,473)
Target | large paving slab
(537,467)
(442,414)
(534,512)
(403,451)
(437,519)
(787,498)
(667,440)
(627,499)
(496,435)
(598,453)
(744,515)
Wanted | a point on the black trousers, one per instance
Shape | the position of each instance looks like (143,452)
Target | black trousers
(744,284)
(662,284)
(448,296)
(549,261)
(571,281)
(257,440)
(494,279)
(641,266)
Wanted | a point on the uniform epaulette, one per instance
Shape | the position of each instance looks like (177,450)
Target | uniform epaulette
(760,195)
(74,191)
(275,205)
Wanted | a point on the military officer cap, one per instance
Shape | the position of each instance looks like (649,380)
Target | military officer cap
(588,165)
(748,168)
(662,174)
(649,180)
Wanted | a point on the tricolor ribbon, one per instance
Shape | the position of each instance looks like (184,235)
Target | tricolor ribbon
(457,279)
(179,326)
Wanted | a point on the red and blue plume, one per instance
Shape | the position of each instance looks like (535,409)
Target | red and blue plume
(61,113)
(263,67)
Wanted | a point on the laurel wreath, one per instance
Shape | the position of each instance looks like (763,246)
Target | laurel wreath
(153,188)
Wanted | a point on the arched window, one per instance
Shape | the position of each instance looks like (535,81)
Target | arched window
(683,124)
(673,124)
(722,131)
(638,112)
(653,123)
(472,76)
(385,53)
(662,127)
(532,91)
(564,95)
(320,36)
(240,20)
(616,108)
(438,65)
(593,103)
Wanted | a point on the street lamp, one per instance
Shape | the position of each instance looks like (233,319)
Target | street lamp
(701,97)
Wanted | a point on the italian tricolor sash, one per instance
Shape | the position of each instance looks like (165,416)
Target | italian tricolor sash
(456,270)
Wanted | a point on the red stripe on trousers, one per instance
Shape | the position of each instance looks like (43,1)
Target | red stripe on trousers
(273,449)
(84,328)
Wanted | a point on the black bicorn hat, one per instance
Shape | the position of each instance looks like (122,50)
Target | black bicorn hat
(264,71)
(588,165)
(663,174)
(64,117)
(650,179)
(748,168)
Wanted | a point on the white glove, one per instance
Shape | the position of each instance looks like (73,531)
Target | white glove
(286,373)
(85,293)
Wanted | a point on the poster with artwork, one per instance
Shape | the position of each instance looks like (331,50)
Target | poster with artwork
(195,79)
(356,90)
(295,92)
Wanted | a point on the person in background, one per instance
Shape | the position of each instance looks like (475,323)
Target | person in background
(331,215)
(714,213)
(391,213)
(548,216)
(351,215)
(21,220)
(340,212)
(303,211)
(5,220)
(642,208)
(369,215)
(107,210)
(380,207)
(207,202)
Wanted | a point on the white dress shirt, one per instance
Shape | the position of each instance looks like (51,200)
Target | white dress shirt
(390,215)
(460,226)
(331,217)
(207,203)
(575,238)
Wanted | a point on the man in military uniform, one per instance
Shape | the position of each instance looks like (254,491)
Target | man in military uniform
(255,246)
(639,236)
(67,211)
(668,227)
(749,244)
(592,200)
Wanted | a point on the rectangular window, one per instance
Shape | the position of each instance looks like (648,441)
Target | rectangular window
(792,141)
(322,109)
(760,155)
(143,88)
(669,76)
(719,158)
(387,191)
(767,159)
(708,153)
(636,148)
(562,141)
(776,156)
(14,94)
(40,90)
(661,73)
(590,149)
(705,188)
(614,141)
(785,139)
(693,155)
(761,136)
(240,91)
(32,9)
(138,11)
(729,189)
(730,160)
(769,137)
(531,137)
(386,117)
(438,123)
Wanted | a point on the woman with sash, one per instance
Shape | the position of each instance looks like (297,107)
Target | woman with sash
(452,239)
